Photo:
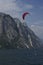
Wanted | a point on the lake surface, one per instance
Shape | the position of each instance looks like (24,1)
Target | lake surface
(21,57)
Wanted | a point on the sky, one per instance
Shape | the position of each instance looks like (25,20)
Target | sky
(17,7)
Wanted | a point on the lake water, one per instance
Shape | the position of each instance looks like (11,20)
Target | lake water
(21,57)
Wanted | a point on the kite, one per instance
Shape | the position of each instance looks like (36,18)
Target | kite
(24,14)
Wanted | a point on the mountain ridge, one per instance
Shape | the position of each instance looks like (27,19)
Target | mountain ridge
(14,34)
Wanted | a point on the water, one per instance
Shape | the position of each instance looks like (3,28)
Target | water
(21,57)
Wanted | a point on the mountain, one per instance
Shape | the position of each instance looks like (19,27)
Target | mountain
(14,34)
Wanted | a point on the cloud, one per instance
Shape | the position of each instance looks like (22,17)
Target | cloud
(29,6)
(8,5)
(41,7)
(38,23)
(14,8)
(38,30)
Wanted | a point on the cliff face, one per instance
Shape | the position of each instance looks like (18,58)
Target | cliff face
(14,34)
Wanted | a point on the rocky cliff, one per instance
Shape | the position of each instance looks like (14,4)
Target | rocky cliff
(14,34)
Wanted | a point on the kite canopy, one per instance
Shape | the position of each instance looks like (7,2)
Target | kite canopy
(24,14)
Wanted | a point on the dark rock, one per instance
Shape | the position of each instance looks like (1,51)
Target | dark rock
(14,34)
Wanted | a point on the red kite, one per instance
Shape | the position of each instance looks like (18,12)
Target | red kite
(24,14)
